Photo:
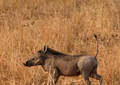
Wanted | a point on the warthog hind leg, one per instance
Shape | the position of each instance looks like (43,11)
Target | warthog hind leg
(96,76)
(86,77)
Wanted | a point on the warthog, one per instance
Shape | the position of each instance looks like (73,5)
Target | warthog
(67,65)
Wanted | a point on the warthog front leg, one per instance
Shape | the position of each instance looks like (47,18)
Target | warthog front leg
(54,73)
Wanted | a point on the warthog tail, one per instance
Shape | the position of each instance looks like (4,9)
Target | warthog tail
(96,45)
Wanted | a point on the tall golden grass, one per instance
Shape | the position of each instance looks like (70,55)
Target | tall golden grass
(65,25)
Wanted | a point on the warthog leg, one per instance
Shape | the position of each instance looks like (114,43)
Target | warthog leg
(96,76)
(54,74)
(86,77)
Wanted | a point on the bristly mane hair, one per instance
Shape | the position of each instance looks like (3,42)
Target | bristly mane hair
(54,52)
(50,50)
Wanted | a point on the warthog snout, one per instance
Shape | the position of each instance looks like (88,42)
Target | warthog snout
(37,59)
(27,64)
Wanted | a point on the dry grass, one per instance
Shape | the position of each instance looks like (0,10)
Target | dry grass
(65,25)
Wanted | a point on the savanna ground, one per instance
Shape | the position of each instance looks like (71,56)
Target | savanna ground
(65,25)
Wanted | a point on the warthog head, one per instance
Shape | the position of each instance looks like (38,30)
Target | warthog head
(38,58)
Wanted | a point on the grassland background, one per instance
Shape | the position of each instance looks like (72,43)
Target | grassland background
(65,25)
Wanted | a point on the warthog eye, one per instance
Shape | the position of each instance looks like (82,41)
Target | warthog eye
(40,51)
(33,59)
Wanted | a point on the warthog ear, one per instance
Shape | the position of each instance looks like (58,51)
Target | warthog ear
(45,48)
